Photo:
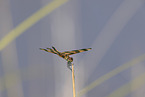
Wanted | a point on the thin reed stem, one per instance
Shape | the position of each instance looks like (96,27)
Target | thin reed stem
(73,81)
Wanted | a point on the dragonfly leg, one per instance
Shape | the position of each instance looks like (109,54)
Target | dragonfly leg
(69,65)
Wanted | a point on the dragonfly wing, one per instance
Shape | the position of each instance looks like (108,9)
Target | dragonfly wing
(48,50)
(56,51)
(75,51)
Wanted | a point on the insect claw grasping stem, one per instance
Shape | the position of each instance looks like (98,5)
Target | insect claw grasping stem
(69,64)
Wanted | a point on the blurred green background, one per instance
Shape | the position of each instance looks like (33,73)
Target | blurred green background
(114,29)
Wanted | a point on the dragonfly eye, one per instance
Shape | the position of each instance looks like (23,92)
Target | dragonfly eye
(71,59)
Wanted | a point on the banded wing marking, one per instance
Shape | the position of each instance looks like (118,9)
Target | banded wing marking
(76,51)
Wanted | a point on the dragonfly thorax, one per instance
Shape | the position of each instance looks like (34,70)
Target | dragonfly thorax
(67,58)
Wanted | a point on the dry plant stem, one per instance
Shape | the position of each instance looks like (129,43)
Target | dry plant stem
(73,81)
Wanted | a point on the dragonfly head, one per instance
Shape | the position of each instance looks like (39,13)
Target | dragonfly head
(70,59)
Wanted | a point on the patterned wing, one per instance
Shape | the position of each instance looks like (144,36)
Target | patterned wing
(75,51)
(55,51)
(49,50)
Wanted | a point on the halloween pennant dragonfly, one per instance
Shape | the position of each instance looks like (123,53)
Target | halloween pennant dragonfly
(65,55)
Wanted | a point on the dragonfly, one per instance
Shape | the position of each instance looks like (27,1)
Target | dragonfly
(65,54)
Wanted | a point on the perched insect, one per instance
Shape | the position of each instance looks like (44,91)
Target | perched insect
(65,55)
